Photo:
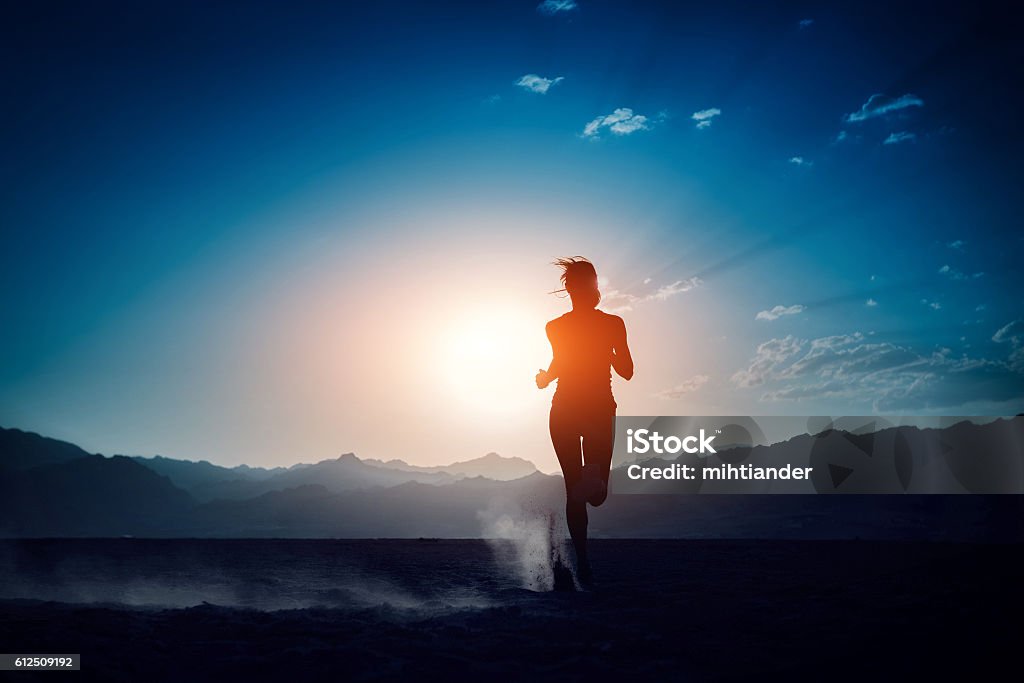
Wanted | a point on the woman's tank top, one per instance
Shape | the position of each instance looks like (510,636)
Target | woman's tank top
(582,346)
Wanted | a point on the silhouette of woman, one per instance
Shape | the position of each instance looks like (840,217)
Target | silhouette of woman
(585,344)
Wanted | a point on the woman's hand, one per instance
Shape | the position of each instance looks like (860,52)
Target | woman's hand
(543,379)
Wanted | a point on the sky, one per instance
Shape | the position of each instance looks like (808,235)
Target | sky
(270,233)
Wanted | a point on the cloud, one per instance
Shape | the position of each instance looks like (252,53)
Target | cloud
(889,376)
(779,311)
(897,138)
(705,116)
(677,287)
(685,387)
(954,274)
(537,84)
(805,23)
(880,105)
(552,7)
(615,301)
(871,303)
(934,305)
(956,244)
(1012,332)
(620,122)
(770,355)
(844,137)
(800,161)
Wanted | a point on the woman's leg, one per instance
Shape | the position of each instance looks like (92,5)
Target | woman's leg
(598,442)
(565,437)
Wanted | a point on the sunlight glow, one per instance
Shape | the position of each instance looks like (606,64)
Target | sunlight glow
(491,357)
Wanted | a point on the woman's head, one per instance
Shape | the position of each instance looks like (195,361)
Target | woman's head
(579,279)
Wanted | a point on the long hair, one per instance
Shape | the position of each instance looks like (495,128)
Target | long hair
(576,271)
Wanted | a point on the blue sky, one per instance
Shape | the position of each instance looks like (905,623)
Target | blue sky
(797,208)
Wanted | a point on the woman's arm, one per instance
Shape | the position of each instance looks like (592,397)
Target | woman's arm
(622,361)
(546,377)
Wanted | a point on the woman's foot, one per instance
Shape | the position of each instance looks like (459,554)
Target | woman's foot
(585,575)
(562,575)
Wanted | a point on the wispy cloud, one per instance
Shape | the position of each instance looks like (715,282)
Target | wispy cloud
(956,244)
(934,305)
(677,287)
(888,376)
(778,311)
(897,138)
(622,121)
(687,386)
(954,274)
(615,301)
(705,116)
(1012,332)
(844,137)
(800,161)
(870,303)
(538,84)
(805,23)
(551,7)
(880,105)
(769,356)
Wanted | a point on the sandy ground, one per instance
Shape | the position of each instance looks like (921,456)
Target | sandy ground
(450,609)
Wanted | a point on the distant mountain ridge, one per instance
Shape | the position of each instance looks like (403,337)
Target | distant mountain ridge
(206,481)
(492,466)
(52,488)
(347,472)
(91,495)
(20,450)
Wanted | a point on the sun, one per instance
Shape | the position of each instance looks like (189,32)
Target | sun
(491,356)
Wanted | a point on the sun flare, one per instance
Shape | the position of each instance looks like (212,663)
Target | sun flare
(491,358)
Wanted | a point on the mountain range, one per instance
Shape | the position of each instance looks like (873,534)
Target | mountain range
(51,488)
(207,482)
